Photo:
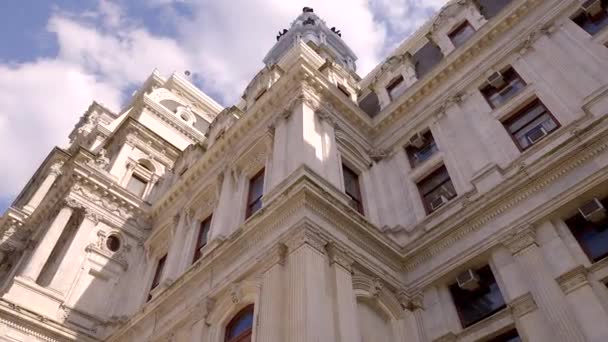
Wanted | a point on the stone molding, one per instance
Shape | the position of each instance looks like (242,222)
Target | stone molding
(339,256)
(573,279)
(306,235)
(448,337)
(519,241)
(522,305)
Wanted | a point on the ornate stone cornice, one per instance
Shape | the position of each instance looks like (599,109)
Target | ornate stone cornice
(306,235)
(276,256)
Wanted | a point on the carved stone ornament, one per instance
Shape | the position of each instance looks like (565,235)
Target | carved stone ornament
(72,203)
(208,304)
(573,279)
(378,155)
(235,293)
(101,161)
(519,241)
(306,236)
(411,303)
(92,216)
(376,287)
(277,255)
(55,169)
(339,256)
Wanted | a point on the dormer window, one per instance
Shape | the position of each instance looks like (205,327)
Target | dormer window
(461,34)
(396,87)
(501,86)
(593,16)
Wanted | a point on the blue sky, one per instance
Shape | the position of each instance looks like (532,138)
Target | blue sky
(58,56)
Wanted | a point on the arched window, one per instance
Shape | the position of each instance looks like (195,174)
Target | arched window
(240,327)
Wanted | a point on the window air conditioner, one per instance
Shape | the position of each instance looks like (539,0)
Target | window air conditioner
(438,202)
(593,211)
(496,80)
(536,133)
(468,280)
(417,140)
(592,7)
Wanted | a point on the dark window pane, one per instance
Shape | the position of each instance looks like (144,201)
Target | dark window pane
(593,23)
(461,34)
(343,90)
(352,188)
(370,104)
(417,155)
(158,273)
(256,190)
(484,301)
(593,237)
(531,124)
(426,58)
(511,336)
(490,8)
(201,241)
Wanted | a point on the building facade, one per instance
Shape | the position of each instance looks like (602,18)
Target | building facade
(456,193)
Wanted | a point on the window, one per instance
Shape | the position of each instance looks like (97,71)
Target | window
(137,185)
(352,188)
(530,125)
(594,18)
(436,189)
(240,327)
(490,8)
(461,34)
(254,197)
(158,273)
(426,149)
(370,104)
(343,90)
(201,239)
(511,336)
(592,236)
(396,87)
(482,299)
(426,58)
(507,85)
(113,243)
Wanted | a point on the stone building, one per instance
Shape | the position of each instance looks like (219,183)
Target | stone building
(455,193)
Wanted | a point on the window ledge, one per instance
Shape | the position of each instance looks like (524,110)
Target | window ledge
(490,325)
(601,37)
(426,167)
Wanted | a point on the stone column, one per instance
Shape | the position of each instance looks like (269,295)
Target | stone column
(48,241)
(43,189)
(271,311)
(530,322)
(412,315)
(545,291)
(344,295)
(573,280)
(226,206)
(309,316)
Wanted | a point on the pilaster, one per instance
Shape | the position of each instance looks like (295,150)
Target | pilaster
(545,291)
(43,189)
(341,263)
(48,241)
(272,308)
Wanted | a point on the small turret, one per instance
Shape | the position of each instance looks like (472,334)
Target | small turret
(312,30)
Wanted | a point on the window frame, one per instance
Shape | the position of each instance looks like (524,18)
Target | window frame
(343,90)
(357,201)
(517,79)
(252,202)
(394,84)
(249,309)
(580,13)
(574,228)
(458,30)
(411,151)
(159,270)
(454,286)
(426,204)
(203,228)
(520,113)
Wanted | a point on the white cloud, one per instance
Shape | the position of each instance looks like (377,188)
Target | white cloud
(104,52)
